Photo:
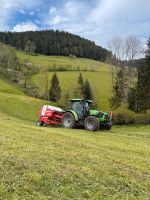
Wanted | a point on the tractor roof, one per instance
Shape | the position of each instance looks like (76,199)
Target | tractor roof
(75,100)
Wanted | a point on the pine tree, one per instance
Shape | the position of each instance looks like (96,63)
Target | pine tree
(80,80)
(140,88)
(132,99)
(141,98)
(147,78)
(55,90)
(87,94)
(80,85)
(143,84)
(118,90)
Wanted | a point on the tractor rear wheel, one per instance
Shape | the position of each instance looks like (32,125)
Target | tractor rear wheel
(68,120)
(91,123)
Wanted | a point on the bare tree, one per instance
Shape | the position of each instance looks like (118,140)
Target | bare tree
(132,47)
(125,48)
(115,45)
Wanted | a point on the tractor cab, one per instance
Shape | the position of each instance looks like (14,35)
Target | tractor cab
(80,106)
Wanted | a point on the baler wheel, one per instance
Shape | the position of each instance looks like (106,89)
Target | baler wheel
(39,123)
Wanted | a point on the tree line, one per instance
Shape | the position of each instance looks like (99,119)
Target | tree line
(50,42)
(131,76)
(139,95)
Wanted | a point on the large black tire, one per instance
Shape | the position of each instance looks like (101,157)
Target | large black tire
(91,123)
(68,120)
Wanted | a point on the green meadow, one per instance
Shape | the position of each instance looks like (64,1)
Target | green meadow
(56,163)
(98,74)
(44,61)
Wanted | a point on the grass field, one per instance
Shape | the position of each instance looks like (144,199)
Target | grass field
(8,87)
(100,78)
(55,163)
(46,61)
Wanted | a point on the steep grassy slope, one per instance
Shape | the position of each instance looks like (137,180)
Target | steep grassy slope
(15,103)
(98,74)
(9,87)
(55,163)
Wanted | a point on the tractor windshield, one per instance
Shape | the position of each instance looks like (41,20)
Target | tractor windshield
(77,106)
(81,107)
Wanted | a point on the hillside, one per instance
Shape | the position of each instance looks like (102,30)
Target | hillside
(14,103)
(55,163)
(8,87)
(98,74)
(50,42)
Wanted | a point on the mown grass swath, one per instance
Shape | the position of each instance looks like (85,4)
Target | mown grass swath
(55,163)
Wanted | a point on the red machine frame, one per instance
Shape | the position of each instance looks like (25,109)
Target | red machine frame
(49,115)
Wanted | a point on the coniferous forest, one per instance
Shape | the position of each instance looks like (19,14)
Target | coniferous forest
(50,42)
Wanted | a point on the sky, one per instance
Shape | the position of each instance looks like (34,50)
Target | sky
(96,20)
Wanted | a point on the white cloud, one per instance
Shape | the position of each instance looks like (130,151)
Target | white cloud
(22,4)
(74,8)
(52,10)
(9,7)
(3,19)
(71,11)
(98,20)
(58,20)
(29,26)
(103,19)
(115,17)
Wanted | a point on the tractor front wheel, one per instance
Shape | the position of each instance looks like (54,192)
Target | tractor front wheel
(91,123)
(108,127)
(68,120)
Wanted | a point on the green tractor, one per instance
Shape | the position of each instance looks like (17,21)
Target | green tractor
(81,114)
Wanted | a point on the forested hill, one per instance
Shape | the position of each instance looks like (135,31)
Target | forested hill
(50,42)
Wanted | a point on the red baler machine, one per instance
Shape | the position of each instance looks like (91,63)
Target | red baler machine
(49,115)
